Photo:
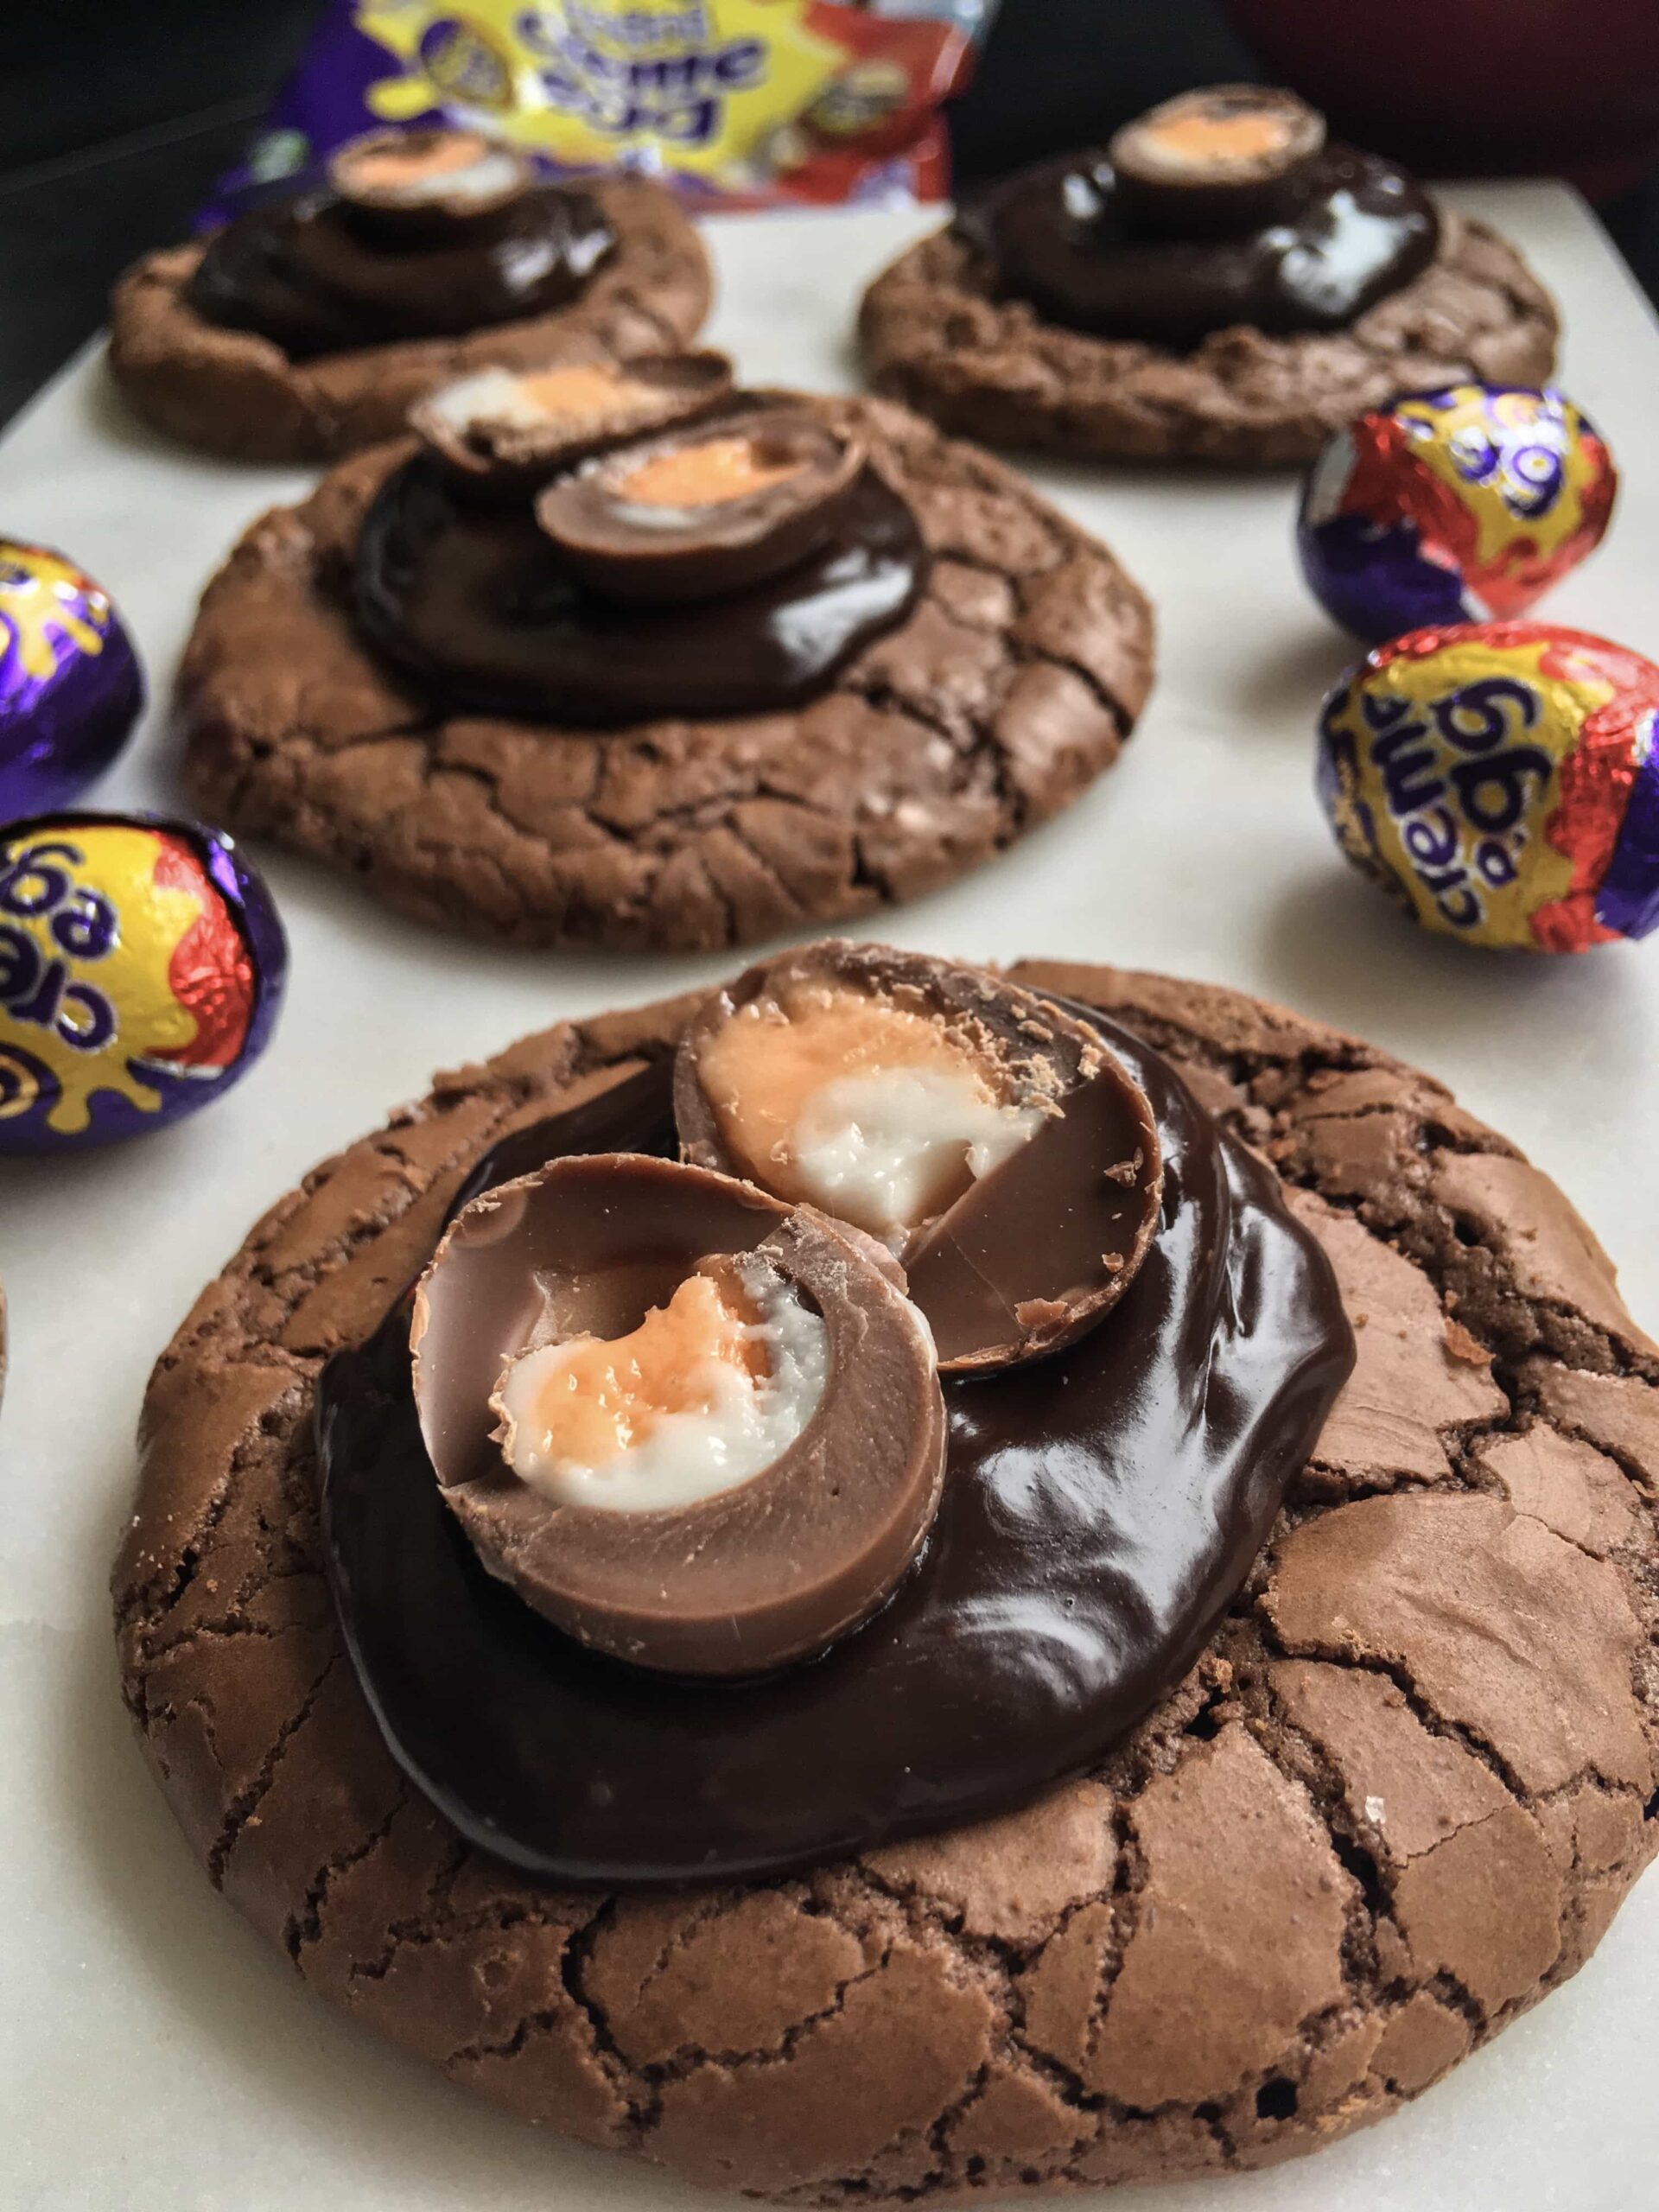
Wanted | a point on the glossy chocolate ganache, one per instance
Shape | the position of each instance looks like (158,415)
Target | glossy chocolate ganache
(1100,1507)
(732,563)
(1226,207)
(414,234)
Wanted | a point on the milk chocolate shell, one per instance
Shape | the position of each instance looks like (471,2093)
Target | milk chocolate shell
(420,179)
(989,1136)
(756,1574)
(1211,162)
(705,511)
(500,426)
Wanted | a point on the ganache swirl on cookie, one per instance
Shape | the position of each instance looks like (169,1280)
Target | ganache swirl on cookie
(1100,1507)
(543,592)
(464,239)
(1169,249)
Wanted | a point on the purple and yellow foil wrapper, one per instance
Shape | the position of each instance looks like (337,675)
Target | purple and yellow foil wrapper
(71,688)
(141,965)
(1456,506)
(1500,780)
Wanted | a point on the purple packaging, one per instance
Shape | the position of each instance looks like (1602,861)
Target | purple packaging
(71,688)
(735,103)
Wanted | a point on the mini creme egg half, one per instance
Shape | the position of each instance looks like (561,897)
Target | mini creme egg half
(705,510)
(697,1428)
(985,1136)
(524,425)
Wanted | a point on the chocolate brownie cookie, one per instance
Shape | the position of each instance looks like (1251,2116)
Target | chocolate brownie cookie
(1009,685)
(936,333)
(1398,1799)
(238,393)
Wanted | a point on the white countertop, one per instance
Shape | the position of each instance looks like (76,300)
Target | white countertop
(156,2055)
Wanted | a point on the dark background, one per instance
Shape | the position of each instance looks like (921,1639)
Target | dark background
(116,116)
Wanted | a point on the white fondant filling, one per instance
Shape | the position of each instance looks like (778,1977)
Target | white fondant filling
(491,176)
(491,396)
(649,514)
(886,1149)
(683,1457)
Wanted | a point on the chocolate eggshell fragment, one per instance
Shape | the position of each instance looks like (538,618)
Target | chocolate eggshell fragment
(1215,160)
(515,428)
(737,1583)
(1039,1246)
(621,529)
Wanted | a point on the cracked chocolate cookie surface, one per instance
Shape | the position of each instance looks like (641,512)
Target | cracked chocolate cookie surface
(1010,686)
(933,335)
(237,393)
(1399,1799)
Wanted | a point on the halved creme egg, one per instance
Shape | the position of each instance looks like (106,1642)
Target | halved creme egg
(988,1137)
(707,509)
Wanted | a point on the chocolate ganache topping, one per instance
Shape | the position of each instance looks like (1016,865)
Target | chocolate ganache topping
(415,234)
(1223,207)
(730,564)
(1100,1507)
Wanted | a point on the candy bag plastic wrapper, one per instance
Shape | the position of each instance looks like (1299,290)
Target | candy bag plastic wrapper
(737,102)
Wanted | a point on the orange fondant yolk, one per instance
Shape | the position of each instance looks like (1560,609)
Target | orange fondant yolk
(609,1394)
(380,168)
(760,1070)
(706,475)
(580,391)
(1234,135)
